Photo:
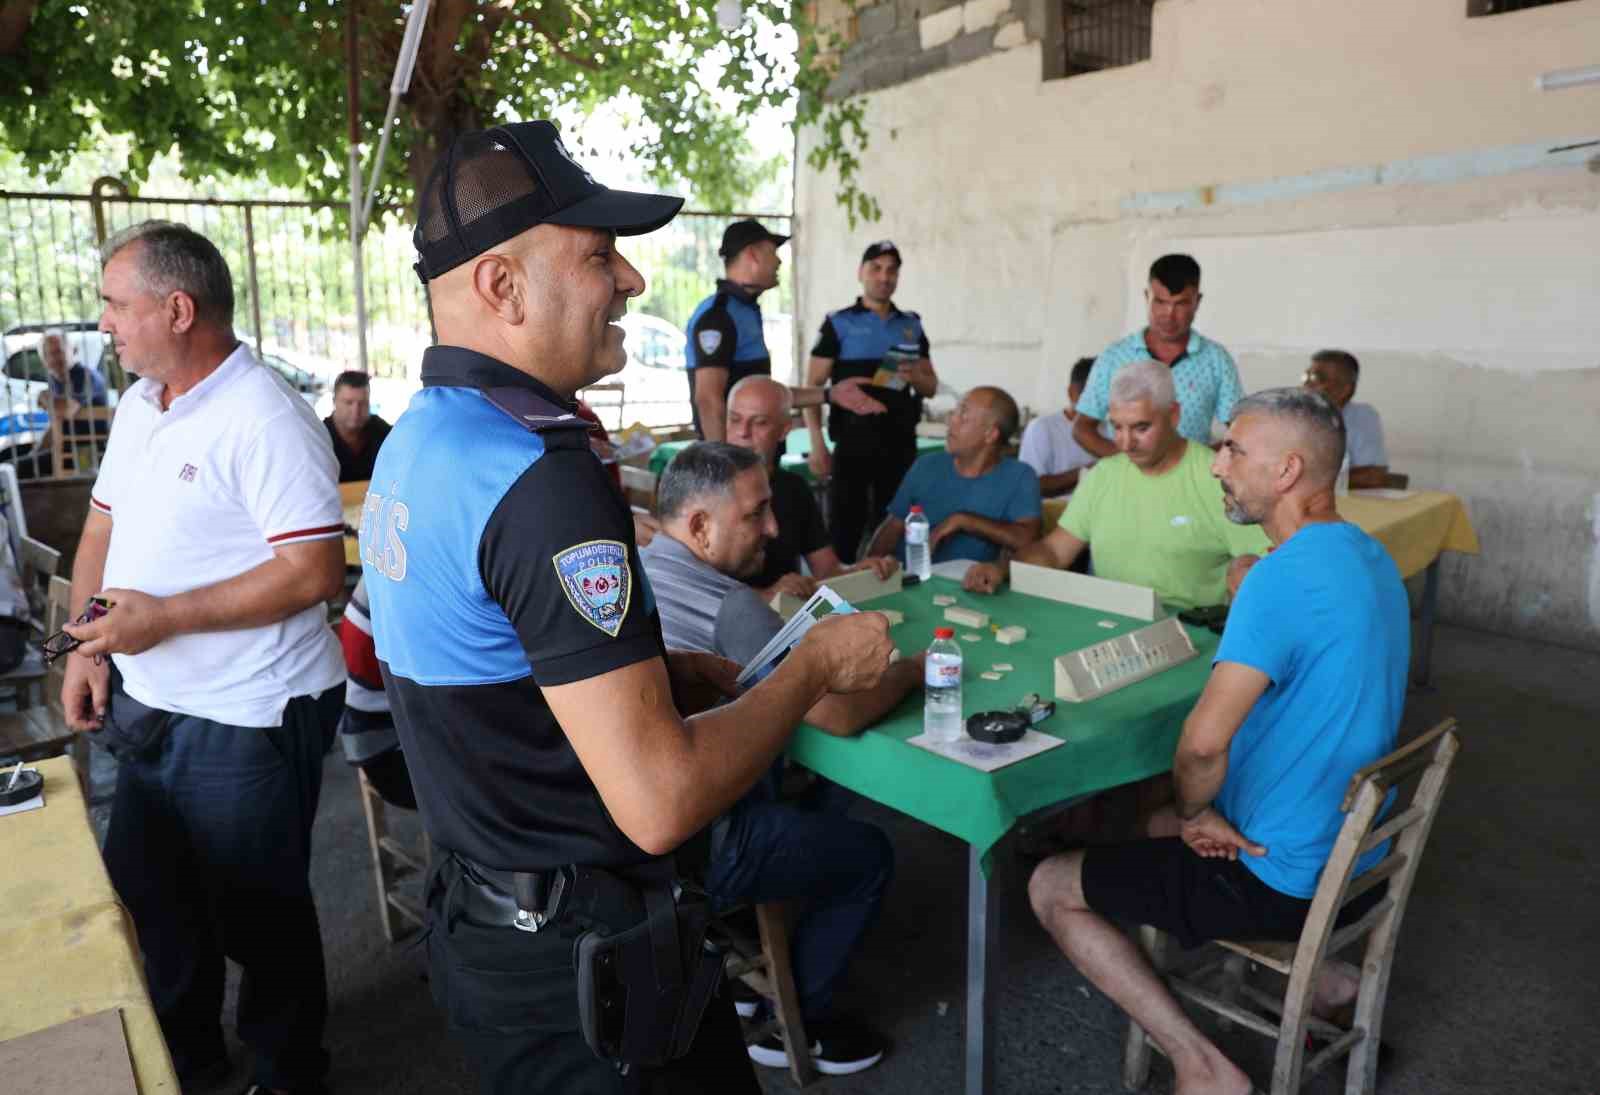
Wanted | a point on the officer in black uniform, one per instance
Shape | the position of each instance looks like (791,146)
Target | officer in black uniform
(874,340)
(726,340)
(521,651)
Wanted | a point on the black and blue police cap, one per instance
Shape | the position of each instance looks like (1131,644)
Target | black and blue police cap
(493,184)
(879,249)
(741,234)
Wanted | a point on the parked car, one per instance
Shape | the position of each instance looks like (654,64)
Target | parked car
(655,379)
(311,377)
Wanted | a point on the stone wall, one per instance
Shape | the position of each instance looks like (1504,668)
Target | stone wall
(899,40)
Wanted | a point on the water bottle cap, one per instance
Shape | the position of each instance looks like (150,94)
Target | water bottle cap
(944,633)
(916,509)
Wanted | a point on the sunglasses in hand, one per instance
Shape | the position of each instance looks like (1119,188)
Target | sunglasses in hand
(62,643)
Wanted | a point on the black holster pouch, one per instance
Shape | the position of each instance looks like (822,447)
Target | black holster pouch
(643,988)
(131,730)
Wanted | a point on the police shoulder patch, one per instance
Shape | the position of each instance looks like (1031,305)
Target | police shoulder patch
(598,581)
(709,340)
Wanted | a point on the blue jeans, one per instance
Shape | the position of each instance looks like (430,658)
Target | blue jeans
(773,851)
(209,847)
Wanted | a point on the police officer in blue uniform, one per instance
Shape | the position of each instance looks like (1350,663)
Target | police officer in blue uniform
(875,340)
(543,719)
(726,343)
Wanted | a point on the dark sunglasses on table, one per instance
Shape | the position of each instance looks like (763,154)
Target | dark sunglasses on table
(61,643)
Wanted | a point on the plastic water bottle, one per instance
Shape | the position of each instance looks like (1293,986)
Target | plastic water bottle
(919,560)
(941,676)
(1341,485)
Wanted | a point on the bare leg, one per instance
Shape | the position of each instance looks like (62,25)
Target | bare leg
(1338,984)
(1116,965)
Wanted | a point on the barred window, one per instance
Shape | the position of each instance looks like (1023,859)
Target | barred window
(1090,35)
(1499,7)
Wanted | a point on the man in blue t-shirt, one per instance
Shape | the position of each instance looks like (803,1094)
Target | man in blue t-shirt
(1308,687)
(978,501)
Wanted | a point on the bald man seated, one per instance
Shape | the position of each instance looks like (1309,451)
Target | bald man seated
(760,411)
(1153,512)
(979,502)
(1306,688)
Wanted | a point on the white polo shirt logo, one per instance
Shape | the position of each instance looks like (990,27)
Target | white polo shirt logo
(187,474)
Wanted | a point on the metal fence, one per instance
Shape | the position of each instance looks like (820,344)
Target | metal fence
(294,288)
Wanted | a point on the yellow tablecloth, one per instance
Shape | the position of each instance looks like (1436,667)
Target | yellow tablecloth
(1415,529)
(352,496)
(67,947)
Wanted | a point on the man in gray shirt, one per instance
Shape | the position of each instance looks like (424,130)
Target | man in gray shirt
(715,507)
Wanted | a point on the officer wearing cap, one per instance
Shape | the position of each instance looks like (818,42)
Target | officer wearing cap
(521,650)
(875,340)
(726,342)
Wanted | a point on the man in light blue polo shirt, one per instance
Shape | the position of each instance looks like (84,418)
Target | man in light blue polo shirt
(1202,371)
(1308,687)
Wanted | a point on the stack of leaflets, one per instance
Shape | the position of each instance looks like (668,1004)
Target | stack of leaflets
(823,603)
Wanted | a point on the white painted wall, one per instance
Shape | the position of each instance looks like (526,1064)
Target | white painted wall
(1370,174)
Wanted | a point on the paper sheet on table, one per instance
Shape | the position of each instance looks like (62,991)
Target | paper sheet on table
(985,757)
(89,1054)
(1385,492)
(954,569)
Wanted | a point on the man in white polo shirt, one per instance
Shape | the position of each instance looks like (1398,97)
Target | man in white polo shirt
(215,534)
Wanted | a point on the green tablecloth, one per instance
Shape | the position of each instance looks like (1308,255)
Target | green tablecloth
(797,446)
(1125,736)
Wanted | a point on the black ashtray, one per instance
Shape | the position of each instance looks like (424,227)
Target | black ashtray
(997,727)
(29,784)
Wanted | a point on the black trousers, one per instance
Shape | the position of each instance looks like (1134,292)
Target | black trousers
(511,998)
(866,473)
(209,847)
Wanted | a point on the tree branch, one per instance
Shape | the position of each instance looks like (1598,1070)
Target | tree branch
(542,31)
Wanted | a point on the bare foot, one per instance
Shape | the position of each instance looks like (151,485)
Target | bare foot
(1338,985)
(1211,1074)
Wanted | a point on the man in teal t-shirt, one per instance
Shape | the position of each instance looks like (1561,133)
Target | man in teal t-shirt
(1307,688)
(1153,513)
(978,501)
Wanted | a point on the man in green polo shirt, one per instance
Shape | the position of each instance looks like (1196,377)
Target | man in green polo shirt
(1153,512)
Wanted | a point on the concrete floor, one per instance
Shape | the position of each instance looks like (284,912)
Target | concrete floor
(1496,984)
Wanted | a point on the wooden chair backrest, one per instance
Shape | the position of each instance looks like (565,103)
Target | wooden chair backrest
(37,564)
(58,613)
(1429,757)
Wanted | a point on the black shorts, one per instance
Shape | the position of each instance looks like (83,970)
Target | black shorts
(1165,884)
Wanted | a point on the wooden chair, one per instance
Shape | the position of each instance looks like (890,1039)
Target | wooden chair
(40,732)
(639,487)
(392,861)
(1429,758)
(764,965)
(36,565)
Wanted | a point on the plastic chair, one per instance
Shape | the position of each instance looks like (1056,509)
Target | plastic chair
(1429,757)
